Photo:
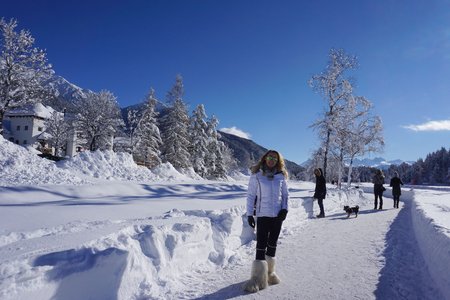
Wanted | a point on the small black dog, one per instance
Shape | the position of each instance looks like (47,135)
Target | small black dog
(349,210)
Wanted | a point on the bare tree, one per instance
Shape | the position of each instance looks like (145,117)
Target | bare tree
(60,131)
(335,87)
(97,120)
(23,69)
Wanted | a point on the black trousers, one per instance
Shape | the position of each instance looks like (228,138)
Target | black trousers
(267,233)
(396,200)
(320,202)
(379,195)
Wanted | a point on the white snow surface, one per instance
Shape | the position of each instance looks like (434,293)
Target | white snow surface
(100,227)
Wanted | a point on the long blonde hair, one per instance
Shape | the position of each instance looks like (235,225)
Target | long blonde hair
(280,166)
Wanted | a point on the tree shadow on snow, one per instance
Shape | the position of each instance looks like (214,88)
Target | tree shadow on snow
(229,292)
(201,192)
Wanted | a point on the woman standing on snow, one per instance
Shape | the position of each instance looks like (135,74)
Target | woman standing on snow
(396,190)
(321,191)
(267,198)
(378,188)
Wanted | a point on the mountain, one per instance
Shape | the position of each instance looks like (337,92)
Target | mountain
(65,90)
(66,94)
(378,162)
(247,152)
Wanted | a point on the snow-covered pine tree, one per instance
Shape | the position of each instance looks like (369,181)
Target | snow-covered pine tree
(60,130)
(335,87)
(174,128)
(214,158)
(23,69)
(97,120)
(148,138)
(132,121)
(199,140)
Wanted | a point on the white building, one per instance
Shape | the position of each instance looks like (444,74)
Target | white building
(26,126)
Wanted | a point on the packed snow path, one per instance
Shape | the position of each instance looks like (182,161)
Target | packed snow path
(374,256)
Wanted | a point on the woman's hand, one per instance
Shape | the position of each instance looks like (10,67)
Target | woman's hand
(282,214)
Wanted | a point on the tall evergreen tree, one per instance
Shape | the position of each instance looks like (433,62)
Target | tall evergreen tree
(199,140)
(214,159)
(175,126)
(147,134)
(133,118)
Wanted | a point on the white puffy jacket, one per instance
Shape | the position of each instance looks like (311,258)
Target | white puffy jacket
(272,195)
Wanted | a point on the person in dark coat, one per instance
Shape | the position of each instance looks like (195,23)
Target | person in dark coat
(321,191)
(378,188)
(396,190)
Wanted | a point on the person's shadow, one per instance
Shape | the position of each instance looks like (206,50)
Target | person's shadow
(228,292)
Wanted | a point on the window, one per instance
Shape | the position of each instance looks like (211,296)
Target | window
(25,142)
(18,128)
(40,128)
(17,142)
(11,139)
(26,127)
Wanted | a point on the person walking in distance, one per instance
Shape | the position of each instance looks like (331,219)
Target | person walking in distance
(378,188)
(396,190)
(320,191)
(267,197)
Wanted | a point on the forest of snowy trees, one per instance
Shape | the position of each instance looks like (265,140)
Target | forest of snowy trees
(172,135)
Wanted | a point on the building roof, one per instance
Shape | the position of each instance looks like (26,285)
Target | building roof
(32,110)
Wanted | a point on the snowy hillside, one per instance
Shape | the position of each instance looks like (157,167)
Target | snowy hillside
(100,227)
(67,91)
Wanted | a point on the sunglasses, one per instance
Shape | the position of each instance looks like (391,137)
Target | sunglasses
(271,158)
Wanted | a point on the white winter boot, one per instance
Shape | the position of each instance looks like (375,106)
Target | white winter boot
(258,281)
(273,278)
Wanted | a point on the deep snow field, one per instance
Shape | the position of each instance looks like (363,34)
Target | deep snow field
(100,227)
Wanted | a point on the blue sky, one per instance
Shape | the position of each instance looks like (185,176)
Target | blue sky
(249,62)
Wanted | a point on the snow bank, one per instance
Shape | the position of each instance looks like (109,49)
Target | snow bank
(111,165)
(107,165)
(144,260)
(22,167)
(433,237)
